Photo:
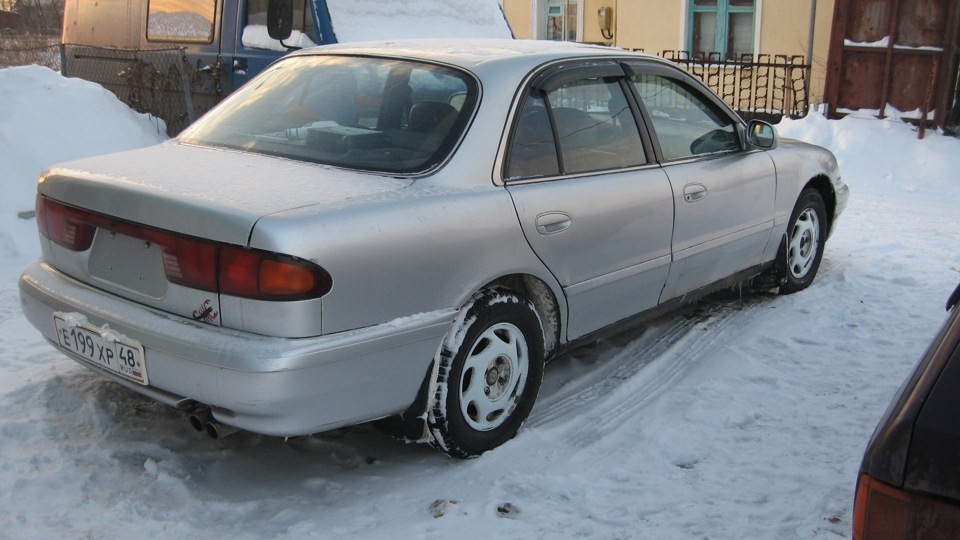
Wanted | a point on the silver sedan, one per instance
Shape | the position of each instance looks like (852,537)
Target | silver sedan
(408,230)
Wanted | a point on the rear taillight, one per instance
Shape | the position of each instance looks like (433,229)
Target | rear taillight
(194,262)
(268,276)
(70,227)
(884,512)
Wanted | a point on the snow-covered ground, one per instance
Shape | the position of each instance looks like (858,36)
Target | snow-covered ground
(744,417)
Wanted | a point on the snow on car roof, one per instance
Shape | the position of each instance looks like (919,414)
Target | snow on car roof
(470,53)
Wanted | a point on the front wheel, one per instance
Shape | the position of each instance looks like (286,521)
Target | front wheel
(805,240)
(488,374)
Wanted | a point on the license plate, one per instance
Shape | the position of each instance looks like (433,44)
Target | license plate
(101,346)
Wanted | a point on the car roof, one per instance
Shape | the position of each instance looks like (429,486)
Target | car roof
(480,55)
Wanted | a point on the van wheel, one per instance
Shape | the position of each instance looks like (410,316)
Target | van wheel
(489,371)
(805,241)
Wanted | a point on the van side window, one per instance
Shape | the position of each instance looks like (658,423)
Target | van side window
(255,33)
(181,20)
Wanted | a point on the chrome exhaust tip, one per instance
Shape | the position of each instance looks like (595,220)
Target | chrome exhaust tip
(198,420)
(216,430)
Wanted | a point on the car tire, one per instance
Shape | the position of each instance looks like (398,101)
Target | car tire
(488,374)
(803,248)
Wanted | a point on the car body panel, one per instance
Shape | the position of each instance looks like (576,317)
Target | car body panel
(274,386)
(893,455)
(606,238)
(935,446)
(197,191)
(481,242)
(406,251)
(733,241)
(909,484)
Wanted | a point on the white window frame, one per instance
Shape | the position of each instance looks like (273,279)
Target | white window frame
(538,26)
(685,37)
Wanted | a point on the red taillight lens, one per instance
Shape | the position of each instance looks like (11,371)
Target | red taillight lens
(883,512)
(267,276)
(189,262)
(192,262)
(65,225)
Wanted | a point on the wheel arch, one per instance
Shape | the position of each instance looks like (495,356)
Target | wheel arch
(411,425)
(822,184)
(545,301)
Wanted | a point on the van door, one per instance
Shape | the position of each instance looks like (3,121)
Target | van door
(249,48)
(196,26)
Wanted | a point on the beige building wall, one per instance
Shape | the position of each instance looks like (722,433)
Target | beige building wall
(660,25)
(519,14)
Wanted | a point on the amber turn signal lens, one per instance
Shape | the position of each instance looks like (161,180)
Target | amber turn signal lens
(883,512)
(283,278)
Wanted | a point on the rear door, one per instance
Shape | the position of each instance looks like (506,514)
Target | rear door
(724,196)
(592,202)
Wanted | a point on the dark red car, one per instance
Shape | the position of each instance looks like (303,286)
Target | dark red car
(909,484)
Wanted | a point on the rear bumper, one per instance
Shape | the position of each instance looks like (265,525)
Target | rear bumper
(273,386)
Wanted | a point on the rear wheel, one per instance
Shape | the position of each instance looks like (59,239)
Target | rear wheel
(488,376)
(805,240)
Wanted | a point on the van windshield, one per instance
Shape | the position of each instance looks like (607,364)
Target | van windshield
(376,114)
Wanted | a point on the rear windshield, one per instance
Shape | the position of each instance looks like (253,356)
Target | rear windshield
(376,114)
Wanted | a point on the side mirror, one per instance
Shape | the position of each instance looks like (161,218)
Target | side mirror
(762,135)
(280,19)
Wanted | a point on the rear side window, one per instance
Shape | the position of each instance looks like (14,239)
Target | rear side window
(583,126)
(687,124)
(181,20)
(367,113)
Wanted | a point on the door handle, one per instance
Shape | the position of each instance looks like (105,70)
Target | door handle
(553,222)
(694,192)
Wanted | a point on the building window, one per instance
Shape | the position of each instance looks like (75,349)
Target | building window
(725,27)
(561,17)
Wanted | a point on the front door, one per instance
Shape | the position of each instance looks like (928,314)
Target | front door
(724,195)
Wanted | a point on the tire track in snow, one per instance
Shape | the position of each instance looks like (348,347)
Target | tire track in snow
(646,368)
(626,362)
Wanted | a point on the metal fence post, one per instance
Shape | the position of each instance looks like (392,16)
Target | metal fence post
(187,91)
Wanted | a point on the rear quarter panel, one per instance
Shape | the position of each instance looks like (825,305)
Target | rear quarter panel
(417,250)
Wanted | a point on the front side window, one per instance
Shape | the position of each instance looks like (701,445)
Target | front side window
(582,126)
(725,27)
(686,123)
(363,113)
(181,20)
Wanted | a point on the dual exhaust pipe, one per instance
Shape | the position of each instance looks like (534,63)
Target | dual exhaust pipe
(203,421)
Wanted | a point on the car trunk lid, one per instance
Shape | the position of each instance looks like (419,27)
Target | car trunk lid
(149,209)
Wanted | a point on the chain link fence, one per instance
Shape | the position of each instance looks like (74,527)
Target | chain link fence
(160,82)
(25,49)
